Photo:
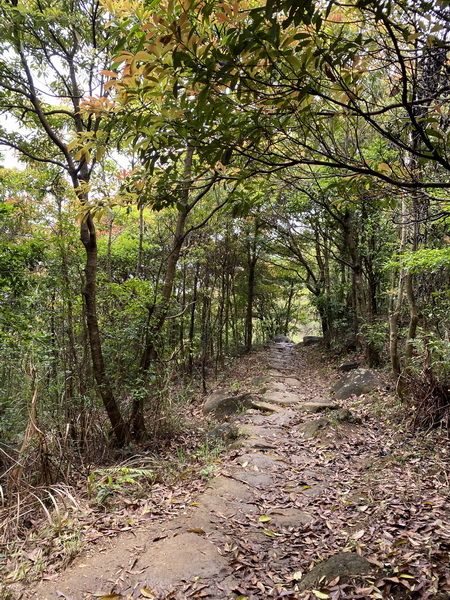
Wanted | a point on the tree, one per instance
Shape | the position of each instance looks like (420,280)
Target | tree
(53,53)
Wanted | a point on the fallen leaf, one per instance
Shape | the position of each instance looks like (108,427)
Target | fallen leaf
(271,533)
(364,591)
(195,530)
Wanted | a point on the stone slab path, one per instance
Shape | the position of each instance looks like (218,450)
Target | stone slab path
(297,487)
(249,515)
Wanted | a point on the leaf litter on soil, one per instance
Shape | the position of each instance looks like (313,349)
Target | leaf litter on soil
(375,489)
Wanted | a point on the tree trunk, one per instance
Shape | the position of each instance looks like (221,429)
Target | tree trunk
(288,309)
(252,259)
(205,332)
(160,313)
(413,321)
(250,302)
(192,325)
(89,238)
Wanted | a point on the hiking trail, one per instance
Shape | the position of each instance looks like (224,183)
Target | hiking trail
(306,479)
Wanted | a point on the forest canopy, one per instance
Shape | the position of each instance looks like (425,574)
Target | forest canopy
(194,178)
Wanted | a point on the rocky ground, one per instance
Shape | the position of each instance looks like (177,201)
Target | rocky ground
(313,498)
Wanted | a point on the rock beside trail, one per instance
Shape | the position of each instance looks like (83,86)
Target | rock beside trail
(222,403)
(311,428)
(310,340)
(357,382)
(343,415)
(260,380)
(343,564)
(224,432)
(316,406)
(348,365)
(265,406)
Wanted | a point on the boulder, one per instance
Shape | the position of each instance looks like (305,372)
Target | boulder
(223,403)
(345,565)
(310,340)
(347,366)
(357,382)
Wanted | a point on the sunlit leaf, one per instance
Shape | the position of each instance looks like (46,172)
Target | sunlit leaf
(321,595)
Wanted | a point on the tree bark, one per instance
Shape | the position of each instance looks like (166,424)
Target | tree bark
(89,239)
(159,315)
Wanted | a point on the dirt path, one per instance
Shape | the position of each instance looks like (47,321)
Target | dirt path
(299,486)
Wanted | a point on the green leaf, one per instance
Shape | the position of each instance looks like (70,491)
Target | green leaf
(271,533)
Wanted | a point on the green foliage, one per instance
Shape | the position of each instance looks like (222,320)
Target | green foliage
(424,260)
(106,483)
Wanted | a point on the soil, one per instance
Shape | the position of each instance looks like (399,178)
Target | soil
(296,488)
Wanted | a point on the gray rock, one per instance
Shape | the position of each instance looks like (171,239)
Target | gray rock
(310,340)
(347,366)
(343,415)
(290,517)
(223,433)
(310,428)
(260,461)
(222,403)
(343,564)
(260,380)
(292,382)
(277,386)
(357,382)
(317,406)
(282,398)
